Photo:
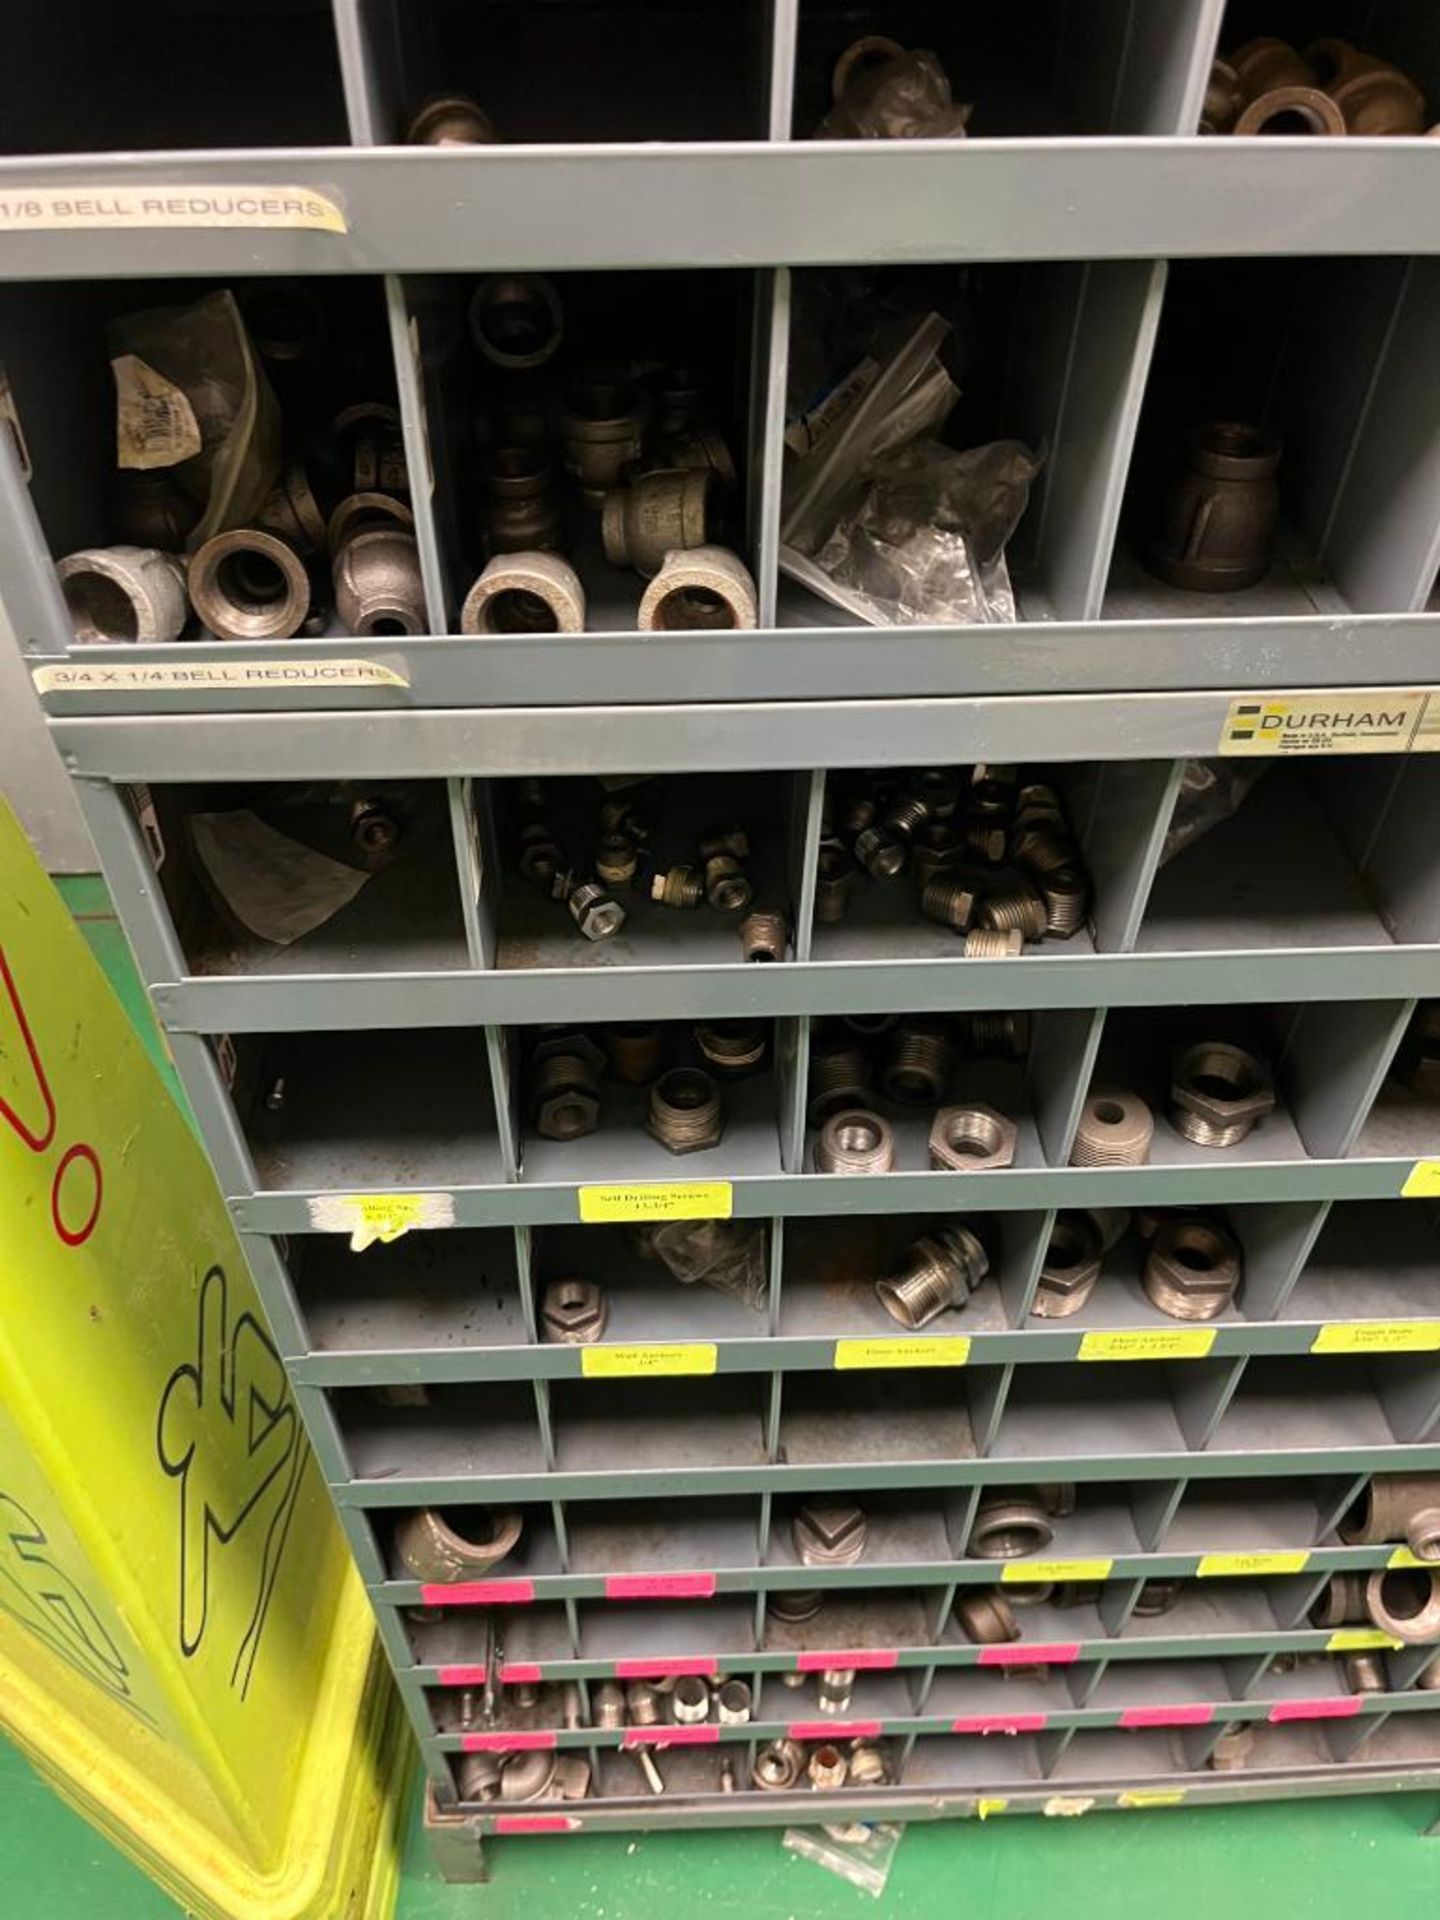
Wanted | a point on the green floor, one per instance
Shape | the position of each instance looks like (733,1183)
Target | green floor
(1361,1858)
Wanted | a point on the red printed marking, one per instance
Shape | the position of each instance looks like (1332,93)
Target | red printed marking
(462,1676)
(1316,1709)
(36,1142)
(519,1673)
(518,1742)
(1189,1716)
(670,1737)
(478,1593)
(536,1823)
(660,1586)
(1020,1654)
(1001,1723)
(77,1156)
(666,1669)
(858,1659)
(834,1729)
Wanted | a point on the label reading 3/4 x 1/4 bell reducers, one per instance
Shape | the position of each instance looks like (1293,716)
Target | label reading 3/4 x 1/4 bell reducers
(1347,720)
(84,208)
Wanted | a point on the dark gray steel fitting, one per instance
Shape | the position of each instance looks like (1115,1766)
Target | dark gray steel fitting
(986,1616)
(994,943)
(378,586)
(1157,1596)
(572,1311)
(1405,1602)
(941,1271)
(1397,1506)
(880,853)
(686,1111)
(655,515)
(1341,1602)
(680,400)
(291,510)
(617,861)
(854,1141)
(247,585)
(1066,893)
(704,448)
(1364,1673)
(527,1776)
(431,1547)
(525,593)
(778,1766)
(764,936)
(1116,1130)
(949,902)
(151,509)
(727,886)
(636,1051)
(603,431)
(972,1139)
(732,1049)
(839,1078)
(834,877)
(516,319)
(1217,529)
(999,1036)
(596,915)
(934,854)
(120,594)
(1070,1268)
(450,120)
(918,1064)
(1193,1268)
(1010,1525)
(564,1095)
(372,447)
(1021,907)
(537,853)
(829,1533)
(793,1606)
(521,514)
(366,513)
(699,589)
(1219,1093)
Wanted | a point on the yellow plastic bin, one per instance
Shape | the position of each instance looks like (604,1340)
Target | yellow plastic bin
(185,1650)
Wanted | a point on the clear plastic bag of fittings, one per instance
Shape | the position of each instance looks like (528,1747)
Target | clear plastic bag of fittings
(729,1255)
(1210,791)
(857,1852)
(191,395)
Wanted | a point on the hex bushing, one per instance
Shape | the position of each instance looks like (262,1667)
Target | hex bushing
(854,1141)
(431,1546)
(516,319)
(1217,524)
(918,1064)
(1066,893)
(727,886)
(986,1616)
(972,1139)
(1397,1506)
(733,1703)
(378,585)
(249,585)
(602,430)
(940,1270)
(701,590)
(572,1311)
(450,120)
(521,515)
(120,594)
(366,513)
(690,1700)
(829,1533)
(1070,1268)
(949,902)
(525,593)
(881,853)
(594,912)
(564,1096)
(1219,1093)
(1192,1269)
(1116,1130)
(1009,1525)
(656,514)
(867,1764)
(686,1112)
(1405,1601)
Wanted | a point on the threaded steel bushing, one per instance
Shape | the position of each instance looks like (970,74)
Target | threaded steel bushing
(972,1139)
(616,860)
(1193,1268)
(732,1048)
(596,915)
(949,902)
(1020,907)
(828,1768)
(993,943)
(686,1113)
(1070,1268)
(680,887)
(727,887)
(839,1078)
(1115,1130)
(880,853)
(1219,1093)
(636,1050)
(918,1065)
(854,1141)
(572,1311)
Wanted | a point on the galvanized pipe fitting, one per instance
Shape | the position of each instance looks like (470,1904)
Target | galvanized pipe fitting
(1070,1268)
(450,120)
(378,585)
(643,1704)
(521,513)
(829,1534)
(834,877)
(690,1700)
(764,937)
(1397,1506)
(516,319)
(854,1141)
(839,1078)
(686,1113)
(573,1311)
(986,1616)
(596,915)
(1009,1526)
(941,1270)
(867,1764)
(793,1606)
(1364,1673)
(1193,1268)
(636,1050)
(1116,1129)
(527,1776)
(1405,1601)
(1219,1093)
(949,902)
(918,1066)
(120,594)
(1217,527)
(656,514)
(431,1547)
(972,1139)
(828,1768)
(603,433)
(701,447)
(247,585)
(477,1777)
(702,589)
(525,593)
(682,887)
(732,1049)
(990,943)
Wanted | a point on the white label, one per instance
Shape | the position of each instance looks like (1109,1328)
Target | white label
(214,675)
(155,424)
(1331,721)
(71,209)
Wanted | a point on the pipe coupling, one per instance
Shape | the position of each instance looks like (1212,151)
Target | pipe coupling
(432,1548)
(120,594)
(247,585)
(525,593)
(699,589)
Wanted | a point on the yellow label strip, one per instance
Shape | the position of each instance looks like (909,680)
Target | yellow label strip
(1157,1343)
(1360,1639)
(1219,1564)
(1377,1336)
(1151,1797)
(368,1217)
(1021,1571)
(1403,1557)
(946,1350)
(612,1363)
(658,1200)
(984,1808)
(83,208)
(1422,1182)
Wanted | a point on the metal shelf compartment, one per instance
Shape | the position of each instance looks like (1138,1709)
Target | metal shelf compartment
(373,1070)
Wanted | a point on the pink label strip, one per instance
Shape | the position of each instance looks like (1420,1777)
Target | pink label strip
(519,1673)
(462,1676)
(660,1586)
(1002,1723)
(536,1823)
(858,1659)
(834,1729)
(1316,1709)
(1020,1653)
(664,1669)
(517,1742)
(1187,1716)
(478,1593)
(670,1737)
